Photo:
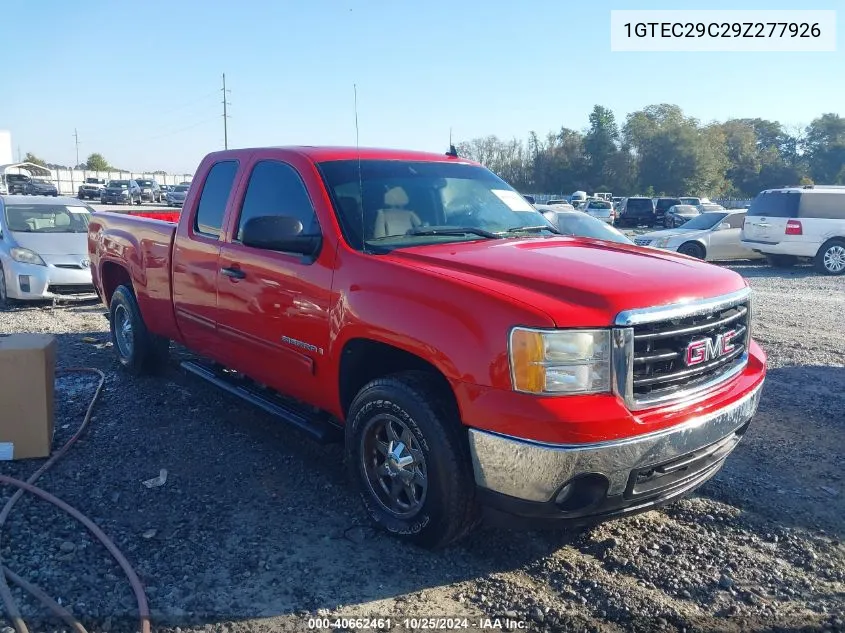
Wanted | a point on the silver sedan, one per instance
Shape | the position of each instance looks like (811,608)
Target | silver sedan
(712,236)
(44,248)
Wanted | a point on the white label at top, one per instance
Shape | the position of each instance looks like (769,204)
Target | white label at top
(514,201)
(723,31)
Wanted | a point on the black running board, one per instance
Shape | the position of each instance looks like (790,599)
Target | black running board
(318,426)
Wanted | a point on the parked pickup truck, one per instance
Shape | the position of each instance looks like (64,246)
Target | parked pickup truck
(417,308)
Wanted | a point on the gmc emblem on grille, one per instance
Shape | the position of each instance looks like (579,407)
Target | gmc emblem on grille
(705,349)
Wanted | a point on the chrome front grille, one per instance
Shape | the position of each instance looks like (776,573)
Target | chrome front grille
(642,241)
(672,352)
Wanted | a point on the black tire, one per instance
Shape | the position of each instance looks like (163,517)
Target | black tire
(5,302)
(147,353)
(829,259)
(692,249)
(781,261)
(447,510)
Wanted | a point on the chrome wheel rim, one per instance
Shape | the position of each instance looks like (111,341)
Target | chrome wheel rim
(394,466)
(834,259)
(123,334)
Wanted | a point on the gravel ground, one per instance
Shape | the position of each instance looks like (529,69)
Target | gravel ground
(256,528)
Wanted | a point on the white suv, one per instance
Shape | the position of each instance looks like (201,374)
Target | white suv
(799,222)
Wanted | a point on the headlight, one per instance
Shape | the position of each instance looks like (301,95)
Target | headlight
(560,361)
(661,243)
(26,256)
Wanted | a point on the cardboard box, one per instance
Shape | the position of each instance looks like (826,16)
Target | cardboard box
(27,374)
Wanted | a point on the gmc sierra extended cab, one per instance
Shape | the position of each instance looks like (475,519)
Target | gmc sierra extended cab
(417,308)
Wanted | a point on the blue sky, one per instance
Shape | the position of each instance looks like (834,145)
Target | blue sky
(141,84)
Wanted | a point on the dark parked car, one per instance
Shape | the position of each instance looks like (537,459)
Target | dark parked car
(679,214)
(121,192)
(40,187)
(663,205)
(16,183)
(636,211)
(150,190)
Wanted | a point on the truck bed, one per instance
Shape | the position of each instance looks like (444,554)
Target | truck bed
(126,248)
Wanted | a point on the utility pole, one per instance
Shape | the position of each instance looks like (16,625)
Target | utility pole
(225,115)
(76,137)
(19,154)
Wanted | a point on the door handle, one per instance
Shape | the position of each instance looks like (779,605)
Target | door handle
(233,272)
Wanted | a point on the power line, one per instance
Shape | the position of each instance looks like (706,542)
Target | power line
(225,115)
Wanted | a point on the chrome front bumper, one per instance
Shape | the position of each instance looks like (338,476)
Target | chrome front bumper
(536,472)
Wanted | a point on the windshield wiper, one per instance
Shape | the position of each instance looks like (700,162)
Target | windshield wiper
(533,229)
(455,230)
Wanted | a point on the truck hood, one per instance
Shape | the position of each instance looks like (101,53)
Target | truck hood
(575,281)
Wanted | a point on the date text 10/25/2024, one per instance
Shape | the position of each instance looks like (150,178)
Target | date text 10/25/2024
(418,624)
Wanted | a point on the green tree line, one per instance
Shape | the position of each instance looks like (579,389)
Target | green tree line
(660,151)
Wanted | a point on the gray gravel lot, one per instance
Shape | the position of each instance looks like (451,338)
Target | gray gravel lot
(256,528)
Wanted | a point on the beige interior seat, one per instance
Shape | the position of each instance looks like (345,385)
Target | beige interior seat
(62,219)
(394,218)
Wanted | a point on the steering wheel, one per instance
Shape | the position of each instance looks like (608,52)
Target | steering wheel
(463,211)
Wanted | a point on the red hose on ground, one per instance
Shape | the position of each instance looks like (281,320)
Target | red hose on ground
(137,587)
(46,600)
(5,592)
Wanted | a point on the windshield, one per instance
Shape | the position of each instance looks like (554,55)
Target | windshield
(40,181)
(600,204)
(685,209)
(181,188)
(692,201)
(145,183)
(405,203)
(47,218)
(118,184)
(665,203)
(704,221)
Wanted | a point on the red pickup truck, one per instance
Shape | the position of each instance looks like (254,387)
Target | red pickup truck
(417,308)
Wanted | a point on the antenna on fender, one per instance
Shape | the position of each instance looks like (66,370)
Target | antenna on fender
(360,175)
(452,151)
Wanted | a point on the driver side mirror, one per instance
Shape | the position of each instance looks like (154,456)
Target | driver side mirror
(723,226)
(280,233)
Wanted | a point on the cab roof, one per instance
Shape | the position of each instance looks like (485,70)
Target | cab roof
(319,154)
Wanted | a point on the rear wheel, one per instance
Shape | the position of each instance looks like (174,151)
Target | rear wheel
(781,261)
(831,257)
(692,249)
(138,350)
(406,449)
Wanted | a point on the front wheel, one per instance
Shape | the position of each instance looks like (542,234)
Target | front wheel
(831,257)
(4,294)
(407,451)
(138,350)
(692,249)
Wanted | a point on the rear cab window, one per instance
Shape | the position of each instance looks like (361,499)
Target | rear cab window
(211,209)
